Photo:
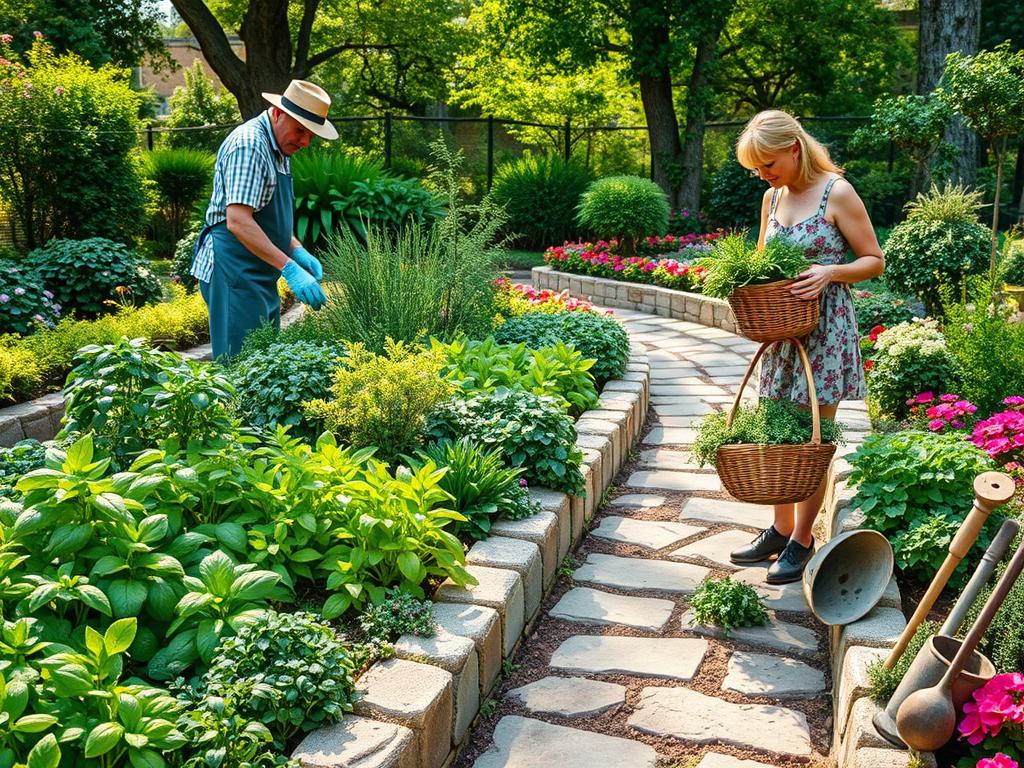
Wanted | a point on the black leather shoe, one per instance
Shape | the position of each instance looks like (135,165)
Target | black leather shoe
(768,542)
(790,565)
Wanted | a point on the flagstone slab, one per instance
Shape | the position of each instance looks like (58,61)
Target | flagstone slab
(776,634)
(569,696)
(673,658)
(670,436)
(716,760)
(716,548)
(653,534)
(522,742)
(674,481)
(755,516)
(667,458)
(778,597)
(678,421)
(592,606)
(686,390)
(639,500)
(718,372)
(680,406)
(634,573)
(694,717)
(760,674)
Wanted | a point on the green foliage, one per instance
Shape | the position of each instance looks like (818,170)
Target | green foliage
(483,488)
(1003,642)
(132,396)
(383,400)
(483,366)
(987,89)
(222,737)
(398,614)
(626,208)
(1012,266)
(772,422)
(735,197)
(422,281)
(80,187)
(184,253)
(24,301)
(916,488)
(199,103)
(909,358)
(884,682)
(92,276)
(180,177)
(532,431)
(986,346)
(273,384)
(288,671)
(540,194)
(949,205)
(734,263)
(880,308)
(19,459)
(596,337)
(915,124)
(727,604)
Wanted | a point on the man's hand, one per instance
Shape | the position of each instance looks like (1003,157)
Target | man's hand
(303,285)
(308,262)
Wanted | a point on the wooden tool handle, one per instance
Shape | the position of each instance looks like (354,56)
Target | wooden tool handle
(990,490)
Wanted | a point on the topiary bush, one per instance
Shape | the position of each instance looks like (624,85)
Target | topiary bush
(734,200)
(940,243)
(94,276)
(595,336)
(274,383)
(626,208)
(540,194)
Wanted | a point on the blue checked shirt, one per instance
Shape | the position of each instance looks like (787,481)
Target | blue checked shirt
(245,174)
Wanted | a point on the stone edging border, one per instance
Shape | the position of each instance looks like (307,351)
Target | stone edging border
(653,299)
(855,743)
(416,708)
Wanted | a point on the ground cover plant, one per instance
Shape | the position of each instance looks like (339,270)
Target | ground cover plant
(727,604)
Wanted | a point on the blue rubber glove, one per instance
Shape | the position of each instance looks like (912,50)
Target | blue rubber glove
(305,288)
(308,262)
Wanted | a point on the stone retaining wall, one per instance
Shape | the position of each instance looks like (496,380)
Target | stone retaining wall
(681,305)
(417,708)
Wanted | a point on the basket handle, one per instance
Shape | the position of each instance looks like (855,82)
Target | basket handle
(812,392)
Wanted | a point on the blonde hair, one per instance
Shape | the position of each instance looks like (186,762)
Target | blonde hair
(772,131)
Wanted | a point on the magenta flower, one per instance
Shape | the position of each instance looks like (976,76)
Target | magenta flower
(37,35)
(999,761)
(1014,400)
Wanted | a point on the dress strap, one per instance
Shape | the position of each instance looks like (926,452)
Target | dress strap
(775,202)
(824,197)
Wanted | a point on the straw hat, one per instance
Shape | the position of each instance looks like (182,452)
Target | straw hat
(308,103)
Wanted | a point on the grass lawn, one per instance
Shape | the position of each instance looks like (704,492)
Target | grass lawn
(520,259)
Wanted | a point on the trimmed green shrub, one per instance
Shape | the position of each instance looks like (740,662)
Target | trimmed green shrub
(909,358)
(735,197)
(180,177)
(881,308)
(24,303)
(626,208)
(532,432)
(595,336)
(1011,270)
(68,148)
(199,103)
(540,194)
(383,400)
(274,384)
(940,243)
(94,276)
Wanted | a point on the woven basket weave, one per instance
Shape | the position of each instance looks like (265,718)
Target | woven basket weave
(775,474)
(769,312)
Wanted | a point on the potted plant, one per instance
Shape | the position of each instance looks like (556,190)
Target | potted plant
(756,282)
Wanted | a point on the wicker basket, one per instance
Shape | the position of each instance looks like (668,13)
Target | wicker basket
(775,474)
(769,312)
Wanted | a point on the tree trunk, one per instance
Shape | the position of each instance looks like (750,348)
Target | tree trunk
(696,119)
(663,132)
(1018,184)
(947,26)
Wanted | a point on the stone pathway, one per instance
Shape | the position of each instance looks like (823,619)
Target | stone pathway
(614,674)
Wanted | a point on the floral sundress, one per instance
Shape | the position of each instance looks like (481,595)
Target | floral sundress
(833,348)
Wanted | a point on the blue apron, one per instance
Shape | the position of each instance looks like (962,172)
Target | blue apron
(242,292)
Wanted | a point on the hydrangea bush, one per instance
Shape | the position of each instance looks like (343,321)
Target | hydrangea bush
(909,358)
(24,302)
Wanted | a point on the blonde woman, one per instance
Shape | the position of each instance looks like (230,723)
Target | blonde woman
(810,202)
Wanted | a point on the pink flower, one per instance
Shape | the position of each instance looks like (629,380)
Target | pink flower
(936,424)
(59,90)
(999,761)
(1014,400)
(6,38)
(925,397)
(949,398)
(37,35)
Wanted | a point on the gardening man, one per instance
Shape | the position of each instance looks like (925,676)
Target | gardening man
(248,241)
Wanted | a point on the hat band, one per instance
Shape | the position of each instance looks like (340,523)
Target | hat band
(313,117)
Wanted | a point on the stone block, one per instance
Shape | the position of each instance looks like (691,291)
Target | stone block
(39,428)
(559,504)
(358,742)
(457,655)
(860,731)
(602,444)
(10,431)
(592,474)
(480,624)
(626,408)
(418,696)
(517,555)
(604,428)
(499,589)
(879,629)
(542,530)
(888,758)
(853,681)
